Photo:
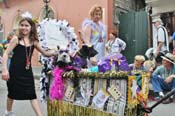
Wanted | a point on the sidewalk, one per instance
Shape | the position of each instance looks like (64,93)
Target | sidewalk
(36,71)
(21,108)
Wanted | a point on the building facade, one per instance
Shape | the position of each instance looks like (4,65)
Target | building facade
(74,11)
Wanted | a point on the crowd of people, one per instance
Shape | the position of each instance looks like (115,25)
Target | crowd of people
(18,70)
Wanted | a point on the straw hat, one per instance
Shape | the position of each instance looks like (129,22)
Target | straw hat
(157,20)
(169,57)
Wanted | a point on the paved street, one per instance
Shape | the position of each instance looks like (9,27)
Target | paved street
(21,108)
(163,109)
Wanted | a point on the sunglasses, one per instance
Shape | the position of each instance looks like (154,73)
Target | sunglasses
(62,51)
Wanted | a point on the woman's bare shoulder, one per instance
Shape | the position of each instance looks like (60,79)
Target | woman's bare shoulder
(36,42)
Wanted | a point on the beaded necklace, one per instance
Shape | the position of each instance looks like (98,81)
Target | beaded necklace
(28,55)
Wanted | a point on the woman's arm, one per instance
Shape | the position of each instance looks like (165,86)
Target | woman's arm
(43,51)
(12,45)
(123,44)
(107,46)
(87,34)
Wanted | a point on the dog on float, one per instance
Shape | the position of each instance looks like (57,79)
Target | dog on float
(81,57)
(77,59)
(63,58)
(64,61)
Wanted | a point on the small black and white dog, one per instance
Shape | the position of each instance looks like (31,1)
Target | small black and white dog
(79,59)
(63,58)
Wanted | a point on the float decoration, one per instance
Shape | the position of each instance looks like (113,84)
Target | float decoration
(119,93)
(53,33)
(87,93)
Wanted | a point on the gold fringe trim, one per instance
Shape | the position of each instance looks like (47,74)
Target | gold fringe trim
(62,108)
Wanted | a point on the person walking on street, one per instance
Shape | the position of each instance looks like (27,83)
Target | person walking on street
(161,37)
(19,77)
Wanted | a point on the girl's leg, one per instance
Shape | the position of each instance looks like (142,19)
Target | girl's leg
(8,111)
(36,107)
(9,104)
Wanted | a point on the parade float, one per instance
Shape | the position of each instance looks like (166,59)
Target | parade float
(108,91)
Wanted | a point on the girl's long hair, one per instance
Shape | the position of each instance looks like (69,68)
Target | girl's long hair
(33,33)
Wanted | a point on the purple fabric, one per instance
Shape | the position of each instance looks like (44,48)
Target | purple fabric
(118,60)
(104,66)
(79,62)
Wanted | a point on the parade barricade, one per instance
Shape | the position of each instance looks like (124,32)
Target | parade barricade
(101,94)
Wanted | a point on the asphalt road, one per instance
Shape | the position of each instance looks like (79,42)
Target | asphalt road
(163,109)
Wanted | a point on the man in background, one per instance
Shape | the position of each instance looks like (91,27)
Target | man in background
(163,77)
(162,43)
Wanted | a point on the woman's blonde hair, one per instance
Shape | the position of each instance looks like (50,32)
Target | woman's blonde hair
(140,58)
(95,8)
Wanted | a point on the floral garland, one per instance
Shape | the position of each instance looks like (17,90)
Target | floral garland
(109,74)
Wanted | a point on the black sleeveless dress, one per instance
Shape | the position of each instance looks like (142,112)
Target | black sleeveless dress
(21,83)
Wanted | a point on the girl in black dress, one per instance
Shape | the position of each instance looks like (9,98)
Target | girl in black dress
(19,77)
